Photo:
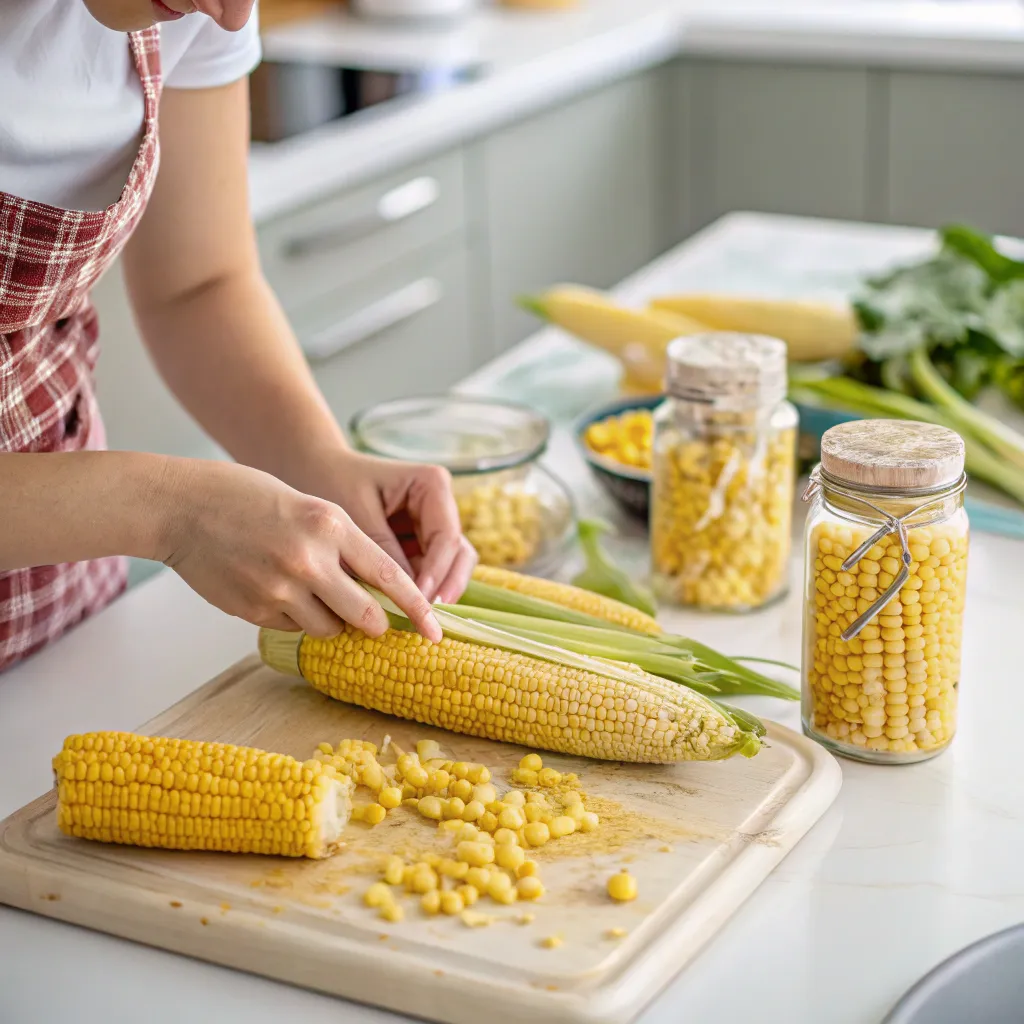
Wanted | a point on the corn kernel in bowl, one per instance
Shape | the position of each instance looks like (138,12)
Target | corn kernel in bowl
(625,438)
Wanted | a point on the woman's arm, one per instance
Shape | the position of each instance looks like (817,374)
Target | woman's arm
(222,344)
(68,507)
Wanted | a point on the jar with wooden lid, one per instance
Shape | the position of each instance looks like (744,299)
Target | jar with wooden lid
(722,473)
(885,581)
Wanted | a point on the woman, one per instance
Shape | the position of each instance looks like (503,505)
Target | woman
(95,98)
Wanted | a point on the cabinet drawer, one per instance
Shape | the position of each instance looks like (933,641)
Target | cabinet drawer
(309,253)
(401,332)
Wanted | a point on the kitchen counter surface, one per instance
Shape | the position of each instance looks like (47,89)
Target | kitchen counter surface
(909,864)
(530,60)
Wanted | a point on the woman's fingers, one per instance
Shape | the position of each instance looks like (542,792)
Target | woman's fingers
(314,617)
(454,584)
(432,503)
(375,566)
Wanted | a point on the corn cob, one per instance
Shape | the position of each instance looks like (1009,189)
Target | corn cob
(117,787)
(483,691)
(568,596)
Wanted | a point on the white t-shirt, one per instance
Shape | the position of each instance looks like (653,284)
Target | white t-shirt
(71,102)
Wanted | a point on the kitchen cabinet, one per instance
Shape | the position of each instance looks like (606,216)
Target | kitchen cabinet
(956,150)
(572,194)
(771,138)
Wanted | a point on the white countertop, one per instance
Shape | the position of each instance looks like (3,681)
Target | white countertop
(533,59)
(909,864)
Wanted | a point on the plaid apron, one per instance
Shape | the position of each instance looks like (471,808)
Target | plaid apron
(49,261)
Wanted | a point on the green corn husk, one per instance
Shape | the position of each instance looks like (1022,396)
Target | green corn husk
(602,576)
(699,667)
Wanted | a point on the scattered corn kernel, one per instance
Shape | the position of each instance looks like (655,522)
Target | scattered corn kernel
(511,818)
(478,774)
(485,793)
(467,834)
(524,777)
(478,878)
(622,886)
(437,781)
(475,919)
(589,821)
(430,807)
(506,837)
(551,942)
(531,762)
(427,749)
(453,868)
(529,888)
(549,777)
(377,895)
(452,903)
(394,871)
(498,885)
(469,893)
(563,825)
(454,808)
(374,814)
(475,854)
(392,912)
(389,797)
(514,798)
(509,856)
(431,901)
(473,811)
(616,933)
(537,833)
(525,918)
(527,869)
(533,812)
(461,789)
(424,879)
(452,825)
(488,821)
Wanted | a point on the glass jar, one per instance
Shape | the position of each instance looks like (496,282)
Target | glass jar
(723,473)
(515,513)
(886,544)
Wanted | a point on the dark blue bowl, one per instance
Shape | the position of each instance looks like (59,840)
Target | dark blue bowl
(630,488)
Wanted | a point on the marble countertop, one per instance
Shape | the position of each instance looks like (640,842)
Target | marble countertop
(909,864)
(530,60)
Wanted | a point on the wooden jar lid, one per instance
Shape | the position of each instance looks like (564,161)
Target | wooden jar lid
(727,369)
(893,454)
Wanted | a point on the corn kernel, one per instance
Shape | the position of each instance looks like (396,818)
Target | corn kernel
(374,814)
(474,919)
(506,837)
(563,825)
(533,812)
(452,903)
(622,886)
(589,821)
(389,797)
(475,854)
(467,834)
(454,808)
(485,793)
(524,777)
(509,856)
(392,912)
(537,833)
(478,774)
(394,871)
(377,895)
(498,885)
(549,777)
(527,869)
(532,763)
(431,901)
(461,789)
(551,942)
(431,807)
(511,818)
(456,869)
(427,749)
(473,811)
(529,888)
(423,880)
(478,878)
(514,798)
(488,822)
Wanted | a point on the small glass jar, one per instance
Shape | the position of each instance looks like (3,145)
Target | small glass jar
(723,473)
(515,513)
(886,544)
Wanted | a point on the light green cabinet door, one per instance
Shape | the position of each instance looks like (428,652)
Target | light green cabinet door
(774,139)
(572,194)
(956,150)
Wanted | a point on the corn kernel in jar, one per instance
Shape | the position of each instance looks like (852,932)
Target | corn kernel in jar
(723,474)
(504,523)
(887,692)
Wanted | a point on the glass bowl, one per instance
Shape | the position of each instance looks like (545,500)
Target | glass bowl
(515,512)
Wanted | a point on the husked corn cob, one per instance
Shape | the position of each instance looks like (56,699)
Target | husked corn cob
(118,787)
(569,597)
(483,691)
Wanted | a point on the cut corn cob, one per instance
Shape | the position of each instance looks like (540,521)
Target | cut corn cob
(478,690)
(568,596)
(118,787)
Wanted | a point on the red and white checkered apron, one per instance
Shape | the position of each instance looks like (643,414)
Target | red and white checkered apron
(49,261)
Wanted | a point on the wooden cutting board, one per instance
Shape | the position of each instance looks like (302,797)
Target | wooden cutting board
(698,837)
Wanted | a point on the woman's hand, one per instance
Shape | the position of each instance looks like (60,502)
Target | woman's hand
(260,550)
(408,509)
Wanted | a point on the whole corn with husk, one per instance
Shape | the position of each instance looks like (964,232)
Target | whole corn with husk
(118,787)
(572,684)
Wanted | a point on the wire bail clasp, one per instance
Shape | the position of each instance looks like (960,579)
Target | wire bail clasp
(891,524)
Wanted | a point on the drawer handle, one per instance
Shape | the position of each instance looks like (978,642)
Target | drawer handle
(371,320)
(395,205)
